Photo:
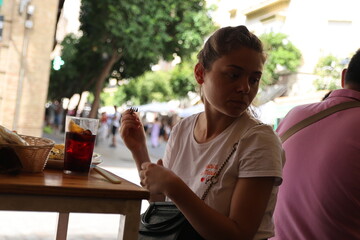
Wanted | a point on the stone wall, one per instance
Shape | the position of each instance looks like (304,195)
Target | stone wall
(25,64)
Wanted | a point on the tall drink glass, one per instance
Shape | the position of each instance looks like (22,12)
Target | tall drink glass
(79,143)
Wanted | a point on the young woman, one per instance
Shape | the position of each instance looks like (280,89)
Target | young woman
(240,205)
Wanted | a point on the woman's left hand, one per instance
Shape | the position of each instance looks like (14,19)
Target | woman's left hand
(156,178)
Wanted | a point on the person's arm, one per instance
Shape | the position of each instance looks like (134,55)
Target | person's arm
(248,203)
(133,134)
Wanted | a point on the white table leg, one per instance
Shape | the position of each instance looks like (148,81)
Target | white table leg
(129,224)
(129,227)
(62,227)
(121,227)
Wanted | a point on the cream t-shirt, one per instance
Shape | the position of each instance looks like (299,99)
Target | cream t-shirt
(258,154)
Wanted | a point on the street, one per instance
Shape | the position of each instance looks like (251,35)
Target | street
(42,226)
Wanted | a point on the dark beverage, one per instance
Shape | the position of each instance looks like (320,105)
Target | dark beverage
(78,152)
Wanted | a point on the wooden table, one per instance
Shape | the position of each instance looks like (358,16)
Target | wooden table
(54,191)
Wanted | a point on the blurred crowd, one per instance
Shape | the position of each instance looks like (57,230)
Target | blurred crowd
(54,116)
(157,126)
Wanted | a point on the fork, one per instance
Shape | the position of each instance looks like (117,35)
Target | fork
(133,109)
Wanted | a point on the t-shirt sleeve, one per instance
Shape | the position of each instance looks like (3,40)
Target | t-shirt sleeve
(261,154)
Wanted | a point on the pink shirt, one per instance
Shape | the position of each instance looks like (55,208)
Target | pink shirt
(320,194)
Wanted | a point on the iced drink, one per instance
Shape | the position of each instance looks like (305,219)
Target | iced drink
(79,144)
(79,151)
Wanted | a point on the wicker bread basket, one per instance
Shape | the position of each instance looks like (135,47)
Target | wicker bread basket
(34,156)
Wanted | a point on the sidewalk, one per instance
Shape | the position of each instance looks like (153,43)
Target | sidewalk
(42,226)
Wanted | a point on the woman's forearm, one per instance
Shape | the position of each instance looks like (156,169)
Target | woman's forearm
(202,217)
(140,156)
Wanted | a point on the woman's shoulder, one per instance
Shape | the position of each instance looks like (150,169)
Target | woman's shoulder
(181,130)
(185,123)
(255,126)
(249,122)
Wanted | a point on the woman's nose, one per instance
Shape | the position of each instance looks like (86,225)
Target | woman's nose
(243,85)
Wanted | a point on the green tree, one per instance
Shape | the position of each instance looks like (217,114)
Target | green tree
(121,39)
(62,82)
(159,86)
(77,74)
(283,56)
(328,70)
(182,78)
(151,86)
(112,98)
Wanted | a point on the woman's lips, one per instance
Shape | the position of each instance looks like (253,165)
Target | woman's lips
(239,103)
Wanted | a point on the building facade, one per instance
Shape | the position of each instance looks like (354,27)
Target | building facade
(317,28)
(27,40)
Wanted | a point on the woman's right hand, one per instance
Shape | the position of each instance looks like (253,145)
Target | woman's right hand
(157,179)
(132,131)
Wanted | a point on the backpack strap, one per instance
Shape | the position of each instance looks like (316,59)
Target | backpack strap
(318,116)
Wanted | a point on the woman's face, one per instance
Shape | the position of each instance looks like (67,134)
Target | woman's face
(233,81)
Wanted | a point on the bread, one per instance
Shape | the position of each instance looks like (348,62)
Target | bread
(9,137)
(57,152)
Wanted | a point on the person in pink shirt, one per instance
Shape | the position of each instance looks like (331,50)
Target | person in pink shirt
(320,194)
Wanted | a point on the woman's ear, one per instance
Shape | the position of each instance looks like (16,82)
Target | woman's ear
(199,73)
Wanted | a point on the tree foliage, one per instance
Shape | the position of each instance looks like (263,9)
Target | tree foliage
(283,56)
(161,86)
(182,78)
(122,39)
(63,82)
(152,86)
(328,69)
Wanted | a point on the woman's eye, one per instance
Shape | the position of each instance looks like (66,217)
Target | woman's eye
(254,80)
(233,75)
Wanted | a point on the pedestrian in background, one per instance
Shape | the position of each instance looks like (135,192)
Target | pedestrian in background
(103,128)
(115,123)
(155,133)
(320,196)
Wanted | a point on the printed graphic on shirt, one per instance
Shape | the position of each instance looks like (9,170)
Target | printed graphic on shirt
(210,171)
